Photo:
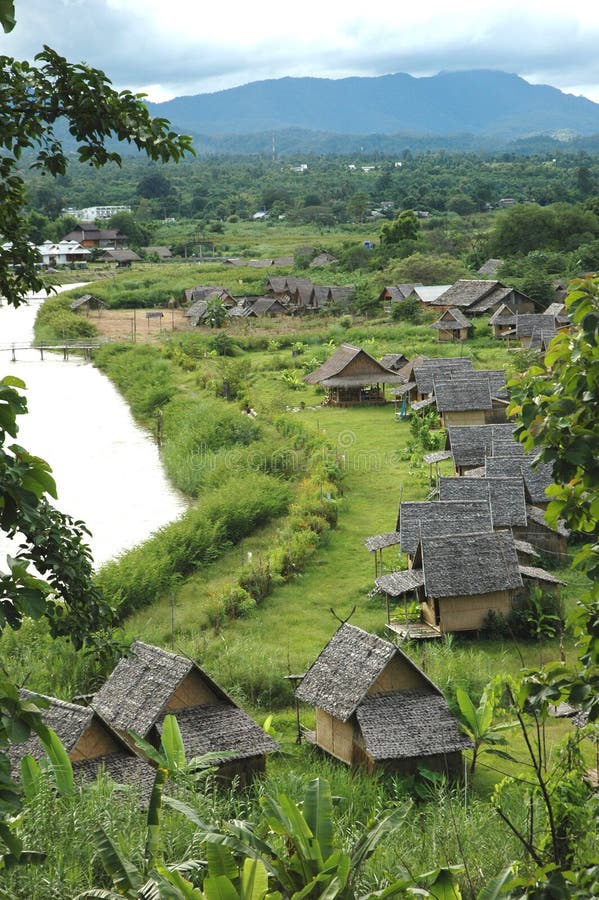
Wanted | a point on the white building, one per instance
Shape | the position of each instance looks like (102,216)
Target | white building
(63,253)
(91,213)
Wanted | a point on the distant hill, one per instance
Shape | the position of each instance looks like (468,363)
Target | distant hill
(481,103)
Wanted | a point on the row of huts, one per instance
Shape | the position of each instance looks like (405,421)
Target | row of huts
(373,707)
(474,547)
(284,295)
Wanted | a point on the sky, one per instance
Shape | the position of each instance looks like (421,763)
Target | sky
(168,48)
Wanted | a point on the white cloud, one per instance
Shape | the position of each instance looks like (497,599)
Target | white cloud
(182,47)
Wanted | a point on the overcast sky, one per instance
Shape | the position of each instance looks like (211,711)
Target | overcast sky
(169,48)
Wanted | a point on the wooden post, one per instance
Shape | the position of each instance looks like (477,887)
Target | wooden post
(14,358)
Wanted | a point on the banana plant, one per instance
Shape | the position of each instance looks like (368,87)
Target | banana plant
(477,723)
(299,851)
(153,880)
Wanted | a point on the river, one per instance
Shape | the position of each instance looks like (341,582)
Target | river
(107,469)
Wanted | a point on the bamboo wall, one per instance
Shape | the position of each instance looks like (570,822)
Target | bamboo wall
(334,736)
(467,613)
(94,742)
(193,691)
(464,417)
(398,675)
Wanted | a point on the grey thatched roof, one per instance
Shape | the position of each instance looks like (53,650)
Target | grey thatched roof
(506,496)
(537,574)
(345,670)
(452,320)
(398,292)
(526,549)
(88,300)
(436,456)
(380,541)
(536,516)
(490,267)
(537,478)
(402,582)
(467,291)
(419,518)
(558,312)
(408,724)
(331,372)
(136,692)
(393,361)
(422,404)
(463,394)
(122,256)
(471,444)
(263,306)
(527,323)
(500,294)
(467,564)
(70,721)
(429,369)
(211,729)
(507,448)
(503,316)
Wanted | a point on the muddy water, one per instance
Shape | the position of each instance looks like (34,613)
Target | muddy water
(107,469)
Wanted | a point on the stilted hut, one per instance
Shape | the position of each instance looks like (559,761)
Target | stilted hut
(419,518)
(88,302)
(505,496)
(375,708)
(151,683)
(353,377)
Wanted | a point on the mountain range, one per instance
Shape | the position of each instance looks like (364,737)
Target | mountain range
(482,104)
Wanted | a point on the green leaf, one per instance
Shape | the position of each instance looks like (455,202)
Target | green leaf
(254,880)
(219,887)
(220,861)
(318,813)
(125,876)
(30,776)
(494,889)
(172,743)
(8,22)
(60,762)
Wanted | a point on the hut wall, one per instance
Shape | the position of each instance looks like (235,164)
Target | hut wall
(543,539)
(362,366)
(469,613)
(95,741)
(334,736)
(243,770)
(453,334)
(497,415)
(193,691)
(398,675)
(464,417)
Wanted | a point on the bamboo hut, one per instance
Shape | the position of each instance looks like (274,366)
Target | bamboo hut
(91,745)
(471,444)
(151,683)
(353,377)
(453,326)
(504,495)
(375,708)
(419,518)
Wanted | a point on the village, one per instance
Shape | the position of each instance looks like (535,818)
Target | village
(471,553)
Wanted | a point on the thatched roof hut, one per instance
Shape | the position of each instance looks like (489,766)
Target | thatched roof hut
(471,444)
(87,302)
(375,707)
(352,376)
(419,518)
(452,325)
(151,683)
(505,496)
(538,476)
(463,401)
(91,745)
(440,368)
(480,296)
